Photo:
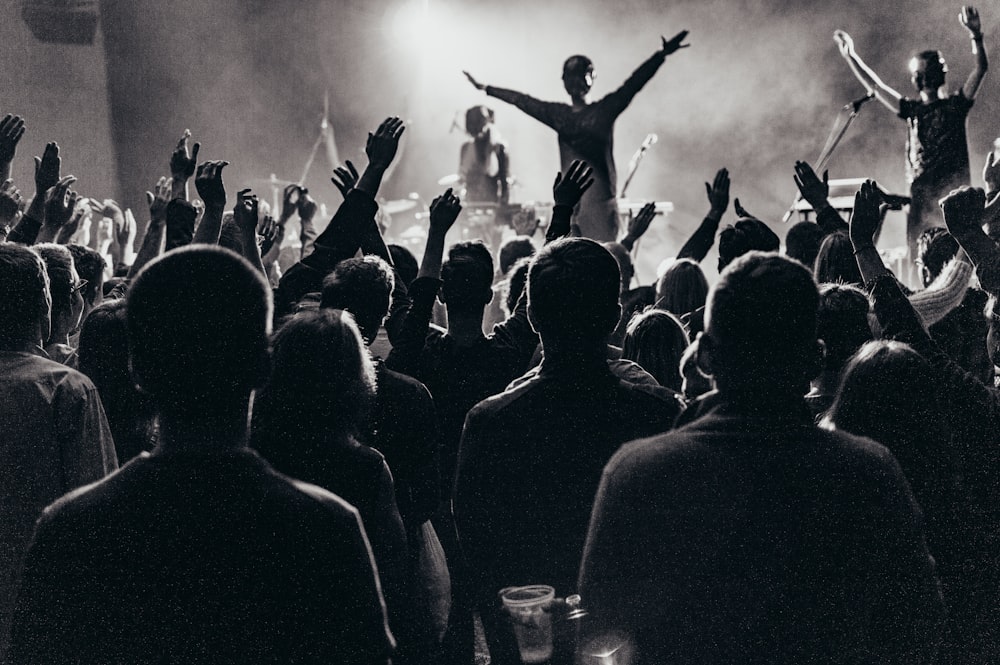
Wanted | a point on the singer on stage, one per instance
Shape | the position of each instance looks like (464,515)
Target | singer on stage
(937,154)
(586,130)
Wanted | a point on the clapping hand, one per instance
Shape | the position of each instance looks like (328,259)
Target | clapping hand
(569,189)
(444,211)
(345,178)
(866,217)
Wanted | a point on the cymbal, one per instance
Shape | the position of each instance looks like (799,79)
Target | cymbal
(398,205)
(451,179)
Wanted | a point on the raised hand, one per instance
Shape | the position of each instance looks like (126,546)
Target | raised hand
(718,193)
(444,211)
(269,231)
(345,178)
(290,201)
(307,205)
(963,210)
(569,189)
(815,191)
(105,235)
(672,45)
(78,214)
(11,131)
(123,232)
(182,164)
(60,201)
(969,17)
(638,225)
(47,168)
(158,199)
(477,84)
(991,172)
(844,42)
(382,145)
(10,203)
(865,218)
(525,221)
(208,182)
(741,211)
(245,212)
(108,208)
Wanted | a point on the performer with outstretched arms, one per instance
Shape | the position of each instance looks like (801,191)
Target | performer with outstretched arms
(586,130)
(937,155)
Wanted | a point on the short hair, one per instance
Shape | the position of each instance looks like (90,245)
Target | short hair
(935,247)
(363,287)
(516,281)
(322,376)
(24,294)
(928,69)
(835,262)
(404,262)
(747,235)
(577,65)
(842,322)
(682,288)
(655,339)
(761,319)
(90,266)
(59,266)
(802,242)
(512,250)
(198,323)
(573,290)
(467,276)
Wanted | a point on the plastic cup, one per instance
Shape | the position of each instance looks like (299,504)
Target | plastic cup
(527,607)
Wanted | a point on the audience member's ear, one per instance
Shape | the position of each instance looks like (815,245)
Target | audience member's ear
(705,354)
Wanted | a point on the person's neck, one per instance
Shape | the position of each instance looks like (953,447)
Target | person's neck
(465,327)
(573,352)
(23,346)
(579,102)
(928,96)
(223,429)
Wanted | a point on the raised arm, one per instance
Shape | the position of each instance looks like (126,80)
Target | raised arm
(154,241)
(543,112)
(864,223)
(969,17)
(697,245)
(566,193)
(622,97)
(182,166)
(889,97)
(212,191)
(11,131)
(816,192)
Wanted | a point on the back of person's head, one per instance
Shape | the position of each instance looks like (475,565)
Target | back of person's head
(842,323)
(656,340)
(67,303)
(747,235)
(322,376)
(802,242)
(760,326)
(512,250)
(935,247)
(467,277)
(624,260)
(682,288)
(887,393)
(835,262)
(573,290)
(89,266)
(198,324)
(25,303)
(516,281)
(404,262)
(103,357)
(363,287)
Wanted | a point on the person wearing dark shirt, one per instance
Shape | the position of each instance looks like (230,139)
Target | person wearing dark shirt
(200,552)
(937,155)
(531,458)
(748,534)
(484,164)
(586,130)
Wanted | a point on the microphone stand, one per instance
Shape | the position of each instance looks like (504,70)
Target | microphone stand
(832,141)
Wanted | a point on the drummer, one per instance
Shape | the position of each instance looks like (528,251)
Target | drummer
(484,165)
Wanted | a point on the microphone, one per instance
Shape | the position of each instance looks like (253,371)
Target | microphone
(454,122)
(856,104)
(650,140)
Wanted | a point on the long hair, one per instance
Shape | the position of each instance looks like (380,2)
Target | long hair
(656,340)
